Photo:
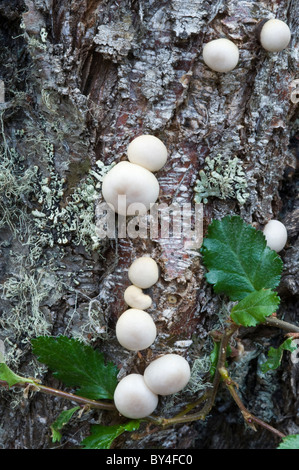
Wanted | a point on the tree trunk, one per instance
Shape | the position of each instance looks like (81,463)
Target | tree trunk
(81,79)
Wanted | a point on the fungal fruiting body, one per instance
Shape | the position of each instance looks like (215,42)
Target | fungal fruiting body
(133,399)
(147,151)
(276,235)
(144,272)
(126,184)
(167,375)
(221,55)
(135,298)
(135,330)
(275,35)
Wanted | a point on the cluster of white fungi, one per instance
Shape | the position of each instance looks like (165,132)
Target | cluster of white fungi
(136,395)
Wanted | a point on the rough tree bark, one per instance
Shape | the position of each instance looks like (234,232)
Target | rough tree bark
(82,79)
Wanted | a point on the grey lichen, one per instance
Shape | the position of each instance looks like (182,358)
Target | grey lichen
(198,380)
(72,222)
(24,318)
(16,183)
(115,40)
(42,210)
(222,177)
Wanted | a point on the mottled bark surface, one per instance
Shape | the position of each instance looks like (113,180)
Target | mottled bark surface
(82,79)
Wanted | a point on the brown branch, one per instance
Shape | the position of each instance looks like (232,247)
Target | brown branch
(60,393)
(248,417)
(273,321)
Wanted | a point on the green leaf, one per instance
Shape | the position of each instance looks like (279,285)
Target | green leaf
(238,259)
(77,365)
(11,378)
(275,355)
(102,436)
(61,421)
(290,442)
(254,308)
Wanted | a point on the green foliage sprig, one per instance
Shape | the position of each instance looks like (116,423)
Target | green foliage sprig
(239,266)
(77,365)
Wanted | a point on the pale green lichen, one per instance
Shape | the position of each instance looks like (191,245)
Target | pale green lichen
(75,222)
(25,293)
(16,184)
(222,177)
(198,379)
(40,209)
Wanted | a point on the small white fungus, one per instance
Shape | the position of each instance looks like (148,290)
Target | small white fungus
(167,375)
(147,151)
(275,35)
(133,399)
(126,184)
(276,235)
(135,298)
(135,330)
(221,55)
(144,272)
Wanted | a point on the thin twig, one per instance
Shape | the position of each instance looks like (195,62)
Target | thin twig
(273,321)
(60,393)
(248,417)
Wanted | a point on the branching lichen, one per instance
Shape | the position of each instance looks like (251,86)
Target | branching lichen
(222,177)
(25,293)
(74,221)
(16,183)
(39,209)
(199,371)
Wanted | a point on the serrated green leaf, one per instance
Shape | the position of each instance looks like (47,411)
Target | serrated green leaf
(11,378)
(275,355)
(290,442)
(77,365)
(101,437)
(64,417)
(238,259)
(255,307)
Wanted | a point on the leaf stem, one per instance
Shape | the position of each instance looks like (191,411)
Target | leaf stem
(60,393)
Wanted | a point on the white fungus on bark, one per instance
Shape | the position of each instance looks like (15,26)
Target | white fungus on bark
(221,55)
(276,235)
(135,298)
(135,330)
(167,375)
(144,272)
(147,151)
(275,35)
(133,399)
(126,184)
